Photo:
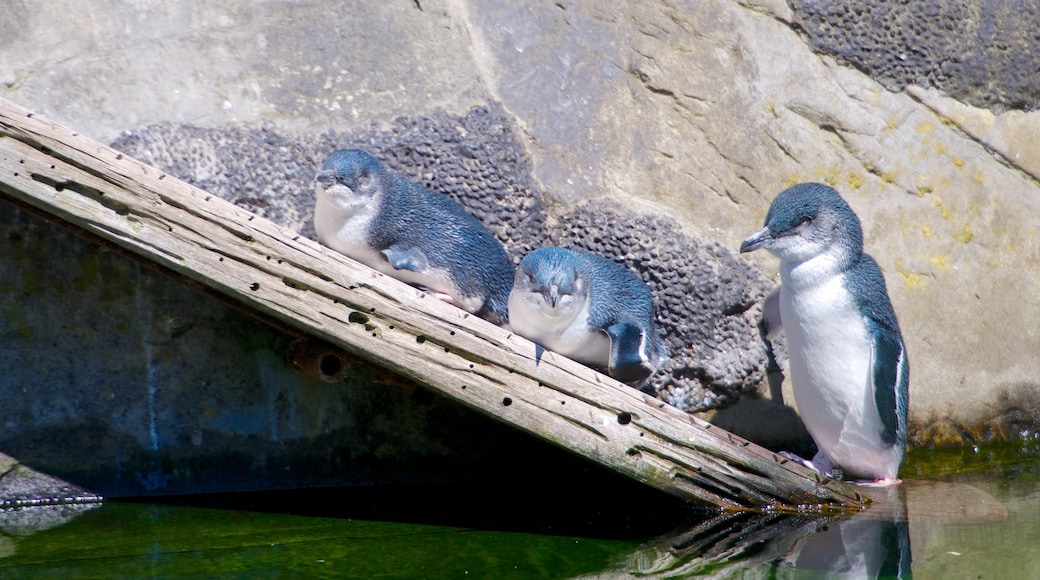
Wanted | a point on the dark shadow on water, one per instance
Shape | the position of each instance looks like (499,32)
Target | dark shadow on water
(586,501)
(582,522)
(686,541)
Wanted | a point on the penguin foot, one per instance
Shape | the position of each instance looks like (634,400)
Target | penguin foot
(633,375)
(443,297)
(799,460)
(820,464)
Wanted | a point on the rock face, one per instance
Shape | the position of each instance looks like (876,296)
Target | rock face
(32,502)
(983,54)
(652,132)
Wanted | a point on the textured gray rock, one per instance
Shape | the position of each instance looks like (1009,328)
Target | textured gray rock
(301,64)
(473,158)
(706,302)
(983,54)
(31,501)
(23,487)
(705,297)
(688,115)
(709,111)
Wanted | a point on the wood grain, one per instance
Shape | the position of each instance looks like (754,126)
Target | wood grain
(296,282)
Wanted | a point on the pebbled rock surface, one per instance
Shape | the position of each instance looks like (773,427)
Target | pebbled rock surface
(473,158)
(706,299)
(32,502)
(982,53)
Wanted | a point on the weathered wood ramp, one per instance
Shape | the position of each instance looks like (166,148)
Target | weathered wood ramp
(297,282)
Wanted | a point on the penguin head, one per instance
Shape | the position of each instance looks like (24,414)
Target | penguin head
(805,221)
(349,177)
(552,282)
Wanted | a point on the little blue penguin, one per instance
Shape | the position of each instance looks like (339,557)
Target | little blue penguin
(400,228)
(847,359)
(588,308)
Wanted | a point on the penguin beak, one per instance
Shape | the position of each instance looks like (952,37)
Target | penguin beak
(756,241)
(326,177)
(554,295)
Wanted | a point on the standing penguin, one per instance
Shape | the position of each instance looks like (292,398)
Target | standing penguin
(847,359)
(411,233)
(588,308)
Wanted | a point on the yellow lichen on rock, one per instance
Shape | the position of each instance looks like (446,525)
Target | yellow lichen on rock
(965,235)
(855,179)
(911,279)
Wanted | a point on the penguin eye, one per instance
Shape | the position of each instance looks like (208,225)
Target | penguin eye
(803,222)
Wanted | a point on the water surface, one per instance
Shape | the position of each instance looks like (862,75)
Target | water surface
(961,514)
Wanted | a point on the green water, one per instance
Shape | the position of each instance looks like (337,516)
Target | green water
(962,514)
(124,539)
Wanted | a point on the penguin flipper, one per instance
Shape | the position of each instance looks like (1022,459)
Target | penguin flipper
(890,376)
(628,362)
(407,258)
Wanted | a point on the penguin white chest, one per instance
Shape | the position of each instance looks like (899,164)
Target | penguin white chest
(830,356)
(567,333)
(342,221)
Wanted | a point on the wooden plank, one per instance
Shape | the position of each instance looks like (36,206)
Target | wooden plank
(297,282)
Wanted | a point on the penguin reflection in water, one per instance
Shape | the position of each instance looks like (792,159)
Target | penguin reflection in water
(847,360)
(411,233)
(588,308)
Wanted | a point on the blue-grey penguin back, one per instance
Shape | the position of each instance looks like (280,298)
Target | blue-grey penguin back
(451,239)
(617,293)
(608,320)
(891,364)
(420,232)
(623,305)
